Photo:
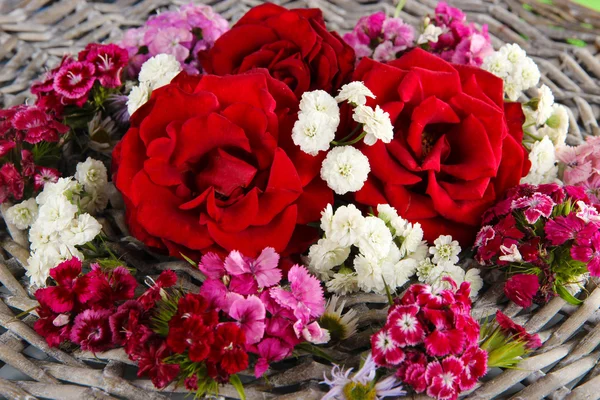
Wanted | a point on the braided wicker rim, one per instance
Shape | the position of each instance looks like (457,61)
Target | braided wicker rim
(34,34)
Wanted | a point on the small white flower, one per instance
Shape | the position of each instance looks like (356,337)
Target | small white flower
(446,270)
(510,254)
(95,200)
(544,167)
(23,214)
(66,187)
(355,93)
(38,268)
(138,96)
(376,238)
(518,71)
(56,214)
(82,230)
(557,125)
(369,274)
(41,240)
(91,174)
(347,225)
(376,124)
(474,278)
(345,169)
(445,250)
(544,107)
(424,270)
(497,64)
(327,220)
(321,102)
(576,284)
(159,70)
(411,237)
(345,324)
(397,272)
(431,34)
(343,283)
(324,256)
(513,53)
(313,132)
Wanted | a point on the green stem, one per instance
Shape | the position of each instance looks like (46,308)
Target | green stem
(354,131)
(531,135)
(353,141)
(399,8)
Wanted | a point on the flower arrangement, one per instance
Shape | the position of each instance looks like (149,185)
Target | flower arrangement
(284,161)
(546,238)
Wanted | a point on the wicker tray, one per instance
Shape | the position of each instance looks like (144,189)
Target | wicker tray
(34,34)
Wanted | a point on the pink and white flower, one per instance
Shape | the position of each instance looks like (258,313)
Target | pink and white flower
(444,378)
(535,206)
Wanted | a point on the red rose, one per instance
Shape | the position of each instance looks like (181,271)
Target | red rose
(456,148)
(294,45)
(202,167)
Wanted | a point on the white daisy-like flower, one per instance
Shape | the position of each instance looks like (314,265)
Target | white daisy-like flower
(544,167)
(343,283)
(376,238)
(376,124)
(369,273)
(91,174)
(355,93)
(341,325)
(445,250)
(313,132)
(345,169)
(83,229)
(324,256)
(23,214)
(347,225)
(557,125)
(424,270)
(56,214)
(159,70)
(431,33)
(544,106)
(321,102)
(327,219)
(138,96)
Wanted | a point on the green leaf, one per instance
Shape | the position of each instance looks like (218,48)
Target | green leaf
(186,258)
(568,297)
(527,7)
(388,293)
(576,42)
(237,384)
(314,350)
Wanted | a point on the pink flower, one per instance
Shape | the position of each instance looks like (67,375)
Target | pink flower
(109,61)
(264,269)
(6,146)
(250,316)
(12,181)
(171,40)
(91,330)
(578,167)
(412,371)
(313,333)
(474,360)
(561,229)
(386,351)
(38,125)
(404,326)
(306,296)
(69,290)
(218,295)
(587,213)
(270,350)
(27,163)
(592,188)
(535,206)
(44,175)
(513,330)
(442,342)
(521,288)
(75,80)
(212,266)
(443,379)
(589,253)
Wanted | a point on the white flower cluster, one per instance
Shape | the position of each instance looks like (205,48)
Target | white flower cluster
(518,71)
(546,127)
(58,219)
(156,72)
(430,33)
(345,168)
(388,250)
(442,264)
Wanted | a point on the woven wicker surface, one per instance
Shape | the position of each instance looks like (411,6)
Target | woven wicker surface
(34,34)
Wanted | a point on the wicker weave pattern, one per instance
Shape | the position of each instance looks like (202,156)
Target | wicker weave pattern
(34,34)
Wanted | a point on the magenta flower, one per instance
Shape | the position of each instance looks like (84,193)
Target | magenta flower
(474,360)
(443,379)
(306,296)
(386,352)
(38,126)
(270,350)
(442,342)
(521,288)
(11,182)
(535,206)
(263,270)
(250,316)
(589,253)
(91,330)
(44,175)
(75,80)
(6,146)
(109,60)
(104,288)
(69,290)
(404,326)
(560,229)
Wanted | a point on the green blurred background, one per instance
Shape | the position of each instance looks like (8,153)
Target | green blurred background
(594,4)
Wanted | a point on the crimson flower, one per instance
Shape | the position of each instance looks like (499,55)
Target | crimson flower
(50,327)
(404,326)
(228,348)
(74,81)
(11,182)
(27,163)
(150,362)
(534,206)
(512,329)
(521,288)
(91,330)
(104,288)
(131,310)
(166,279)
(191,334)
(474,360)
(443,378)
(38,125)
(412,371)
(6,146)
(44,175)
(386,351)
(108,59)
(70,287)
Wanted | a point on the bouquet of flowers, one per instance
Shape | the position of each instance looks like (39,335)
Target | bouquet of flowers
(282,161)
